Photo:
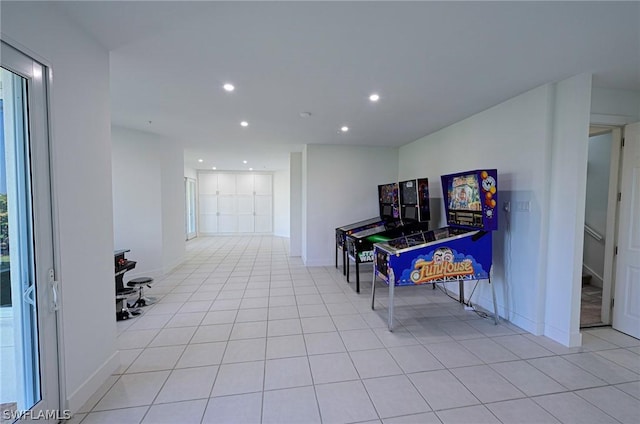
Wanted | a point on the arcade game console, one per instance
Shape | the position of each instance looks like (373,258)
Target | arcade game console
(459,252)
(404,207)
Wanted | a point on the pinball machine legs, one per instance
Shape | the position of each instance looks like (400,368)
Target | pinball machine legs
(348,271)
(496,317)
(357,275)
(373,290)
(373,298)
(344,261)
(344,258)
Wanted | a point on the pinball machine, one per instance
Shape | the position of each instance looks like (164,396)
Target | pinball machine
(404,208)
(459,252)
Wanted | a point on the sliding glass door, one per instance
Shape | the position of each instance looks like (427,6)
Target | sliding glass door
(29,384)
(190,208)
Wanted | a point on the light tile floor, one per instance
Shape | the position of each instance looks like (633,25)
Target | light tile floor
(590,306)
(242,333)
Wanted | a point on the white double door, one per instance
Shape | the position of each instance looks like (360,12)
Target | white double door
(235,203)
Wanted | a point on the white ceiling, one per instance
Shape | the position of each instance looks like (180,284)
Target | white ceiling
(433,64)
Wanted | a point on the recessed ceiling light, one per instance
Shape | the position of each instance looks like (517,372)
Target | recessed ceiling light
(200,160)
(250,169)
(244,161)
(344,129)
(374,97)
(244,123)
(213,167)
(228,87)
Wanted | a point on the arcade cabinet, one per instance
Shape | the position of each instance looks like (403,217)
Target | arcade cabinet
(460,252)
(404,207)
(346,230)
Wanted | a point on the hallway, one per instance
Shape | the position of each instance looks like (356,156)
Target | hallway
(242,333)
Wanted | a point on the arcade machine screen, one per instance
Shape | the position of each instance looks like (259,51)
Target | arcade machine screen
(423,196)
(470,200)
(408,192)
(414,200)
(388,198)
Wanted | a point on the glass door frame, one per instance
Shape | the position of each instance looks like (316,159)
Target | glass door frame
(190,211)
(49,408)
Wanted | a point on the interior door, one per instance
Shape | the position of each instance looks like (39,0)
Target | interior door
(29,354)
(245,192)
(227,204)
(207,203)
(263,203)
(626,311)
(263,214)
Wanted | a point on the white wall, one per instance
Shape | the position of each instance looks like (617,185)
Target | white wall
(340,186)
(136,199)
(148,201)
(516,137)
(596,204)
(295,200)
(172,193)
(81,174)
(513,138)
(190,173)
(614,107)
(568,181)
(281,203)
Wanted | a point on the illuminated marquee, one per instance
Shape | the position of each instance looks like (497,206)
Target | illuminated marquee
(427,271)
(442,265)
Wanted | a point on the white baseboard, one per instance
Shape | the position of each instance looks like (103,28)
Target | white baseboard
(563,337)
(526,323)
(320,262)
(535,328)
(81,395)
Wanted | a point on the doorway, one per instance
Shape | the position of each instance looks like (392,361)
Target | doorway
(190,208)
(29,384)
(600,225)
